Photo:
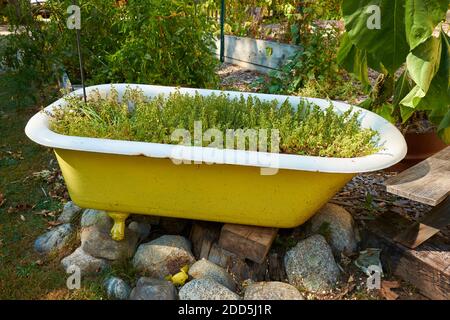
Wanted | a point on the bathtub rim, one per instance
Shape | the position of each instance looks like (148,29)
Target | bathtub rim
(37,129)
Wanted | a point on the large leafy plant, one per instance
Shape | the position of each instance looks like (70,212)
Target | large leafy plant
(411,51)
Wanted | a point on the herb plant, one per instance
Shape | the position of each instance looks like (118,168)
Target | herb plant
(304,129)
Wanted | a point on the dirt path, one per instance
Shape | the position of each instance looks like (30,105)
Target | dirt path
(236,78)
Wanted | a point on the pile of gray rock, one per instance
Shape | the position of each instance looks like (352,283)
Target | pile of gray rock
(311,265)
(59,236)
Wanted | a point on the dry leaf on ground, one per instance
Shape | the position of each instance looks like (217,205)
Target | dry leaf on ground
(18,208)
(54,223)
(2,199)
(386,289)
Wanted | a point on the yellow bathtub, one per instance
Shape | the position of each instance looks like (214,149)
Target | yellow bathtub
(223,185)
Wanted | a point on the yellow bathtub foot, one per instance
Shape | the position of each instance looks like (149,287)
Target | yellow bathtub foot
(118,229)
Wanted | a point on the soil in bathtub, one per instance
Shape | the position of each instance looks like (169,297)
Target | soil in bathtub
(303,129)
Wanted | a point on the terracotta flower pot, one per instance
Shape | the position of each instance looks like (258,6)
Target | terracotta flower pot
(420,147)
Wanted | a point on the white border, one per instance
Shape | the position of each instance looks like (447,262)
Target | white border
(37,129)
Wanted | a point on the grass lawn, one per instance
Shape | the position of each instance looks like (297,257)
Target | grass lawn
(30,199)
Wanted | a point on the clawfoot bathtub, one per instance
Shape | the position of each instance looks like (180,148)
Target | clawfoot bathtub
(125,177)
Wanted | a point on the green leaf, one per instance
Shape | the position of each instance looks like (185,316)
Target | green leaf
(438,94)
(423,62)
(444,128)
(383,89)
(412,99)
(274,88)
(421,18)
(402,88)
(386,111)
(343,55)
(366,104)
(387,44)
(437,98)
(375,64)
(406,113)
(353,59)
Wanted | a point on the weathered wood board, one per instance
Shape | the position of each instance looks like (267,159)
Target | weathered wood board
(427,267)
(427,182)
(230,262)
(276,267)
(421,231)
(203,235)
(248,242)
(256,54)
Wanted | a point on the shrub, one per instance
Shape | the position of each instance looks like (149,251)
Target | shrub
(28,60)
(255,18)
(304,129)
(164,42)
(313,70)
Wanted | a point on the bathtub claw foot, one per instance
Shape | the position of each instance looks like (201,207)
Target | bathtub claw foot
(118,229)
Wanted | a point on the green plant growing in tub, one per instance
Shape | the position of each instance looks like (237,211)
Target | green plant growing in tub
(304,129)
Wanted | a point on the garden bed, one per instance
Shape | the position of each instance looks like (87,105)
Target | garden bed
(155,118)
(255,54)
